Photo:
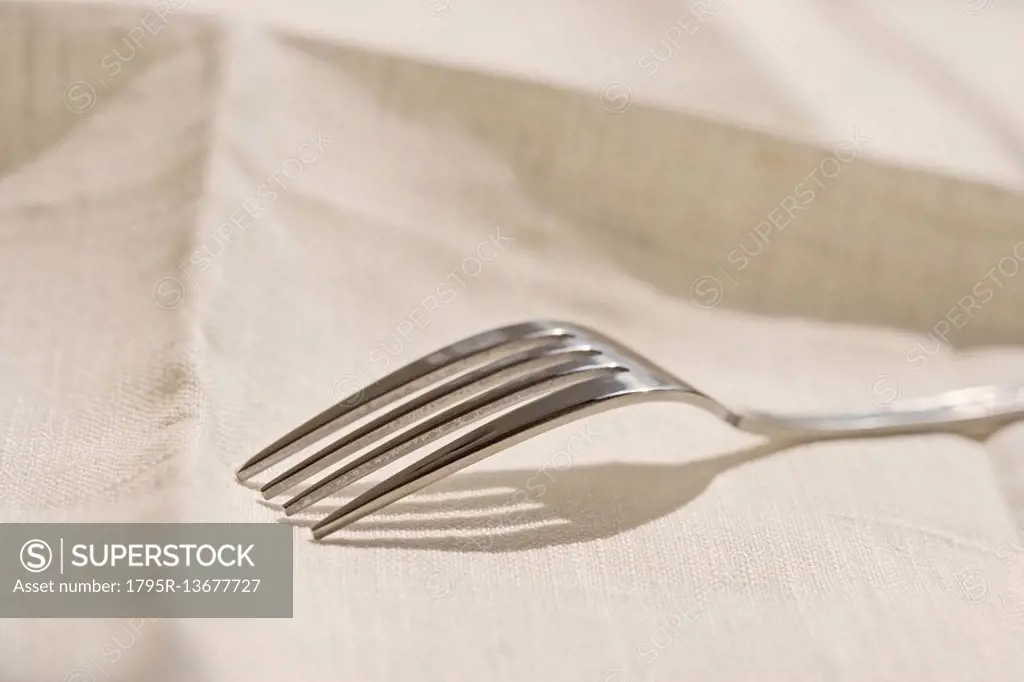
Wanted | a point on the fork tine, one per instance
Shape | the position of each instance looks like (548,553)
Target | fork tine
(410,378)
(568,404)
(501,397)
(436,400)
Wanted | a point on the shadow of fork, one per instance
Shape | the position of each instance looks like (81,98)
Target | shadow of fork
(517,510)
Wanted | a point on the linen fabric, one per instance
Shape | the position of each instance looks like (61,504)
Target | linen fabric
(242,225)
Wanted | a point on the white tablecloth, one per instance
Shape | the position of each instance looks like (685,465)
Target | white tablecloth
(200,249)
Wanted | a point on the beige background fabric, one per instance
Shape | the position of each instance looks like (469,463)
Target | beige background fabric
(149,345)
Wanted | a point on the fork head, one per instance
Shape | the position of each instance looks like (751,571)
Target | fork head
(509,384)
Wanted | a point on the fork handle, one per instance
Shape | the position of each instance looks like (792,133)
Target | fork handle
(974,412)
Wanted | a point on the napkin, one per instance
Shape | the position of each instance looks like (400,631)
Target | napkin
(240,225)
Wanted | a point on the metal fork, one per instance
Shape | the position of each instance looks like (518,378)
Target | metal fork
(544,374)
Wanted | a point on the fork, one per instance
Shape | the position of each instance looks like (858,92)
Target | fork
(541,375)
